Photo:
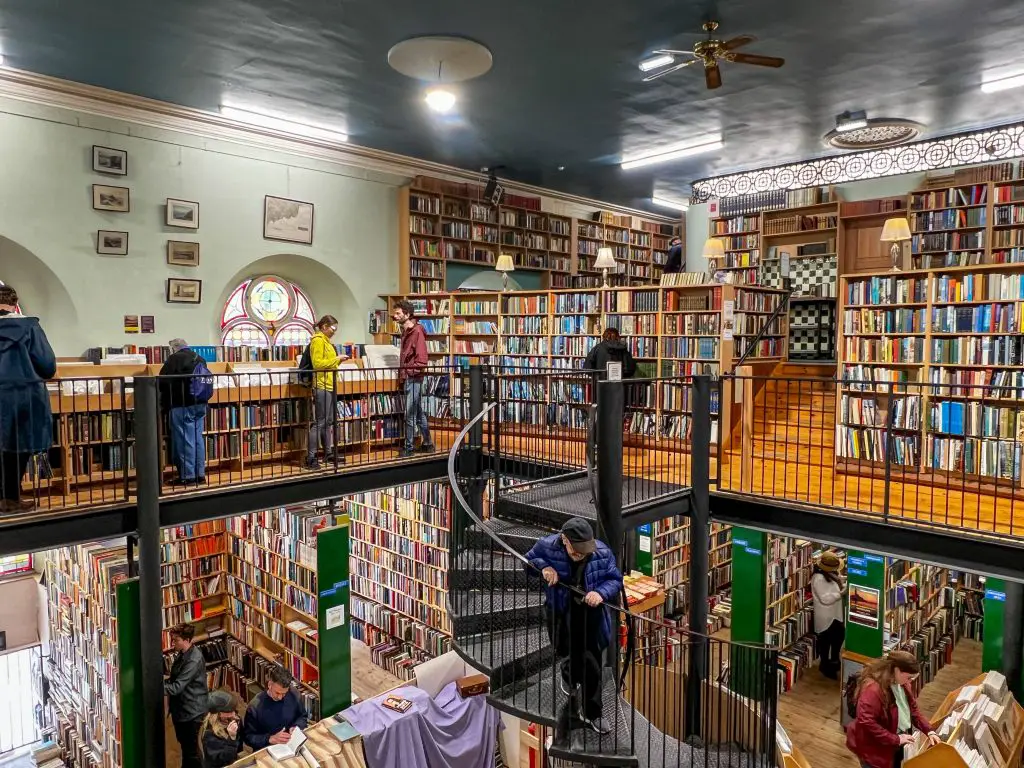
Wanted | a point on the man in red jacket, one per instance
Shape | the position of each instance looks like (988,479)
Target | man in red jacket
(412,365)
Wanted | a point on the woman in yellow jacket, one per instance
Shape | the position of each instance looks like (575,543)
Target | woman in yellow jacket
(325,360)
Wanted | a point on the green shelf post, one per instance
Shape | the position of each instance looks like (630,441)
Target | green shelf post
(749,609)
(129,673)
(333,619)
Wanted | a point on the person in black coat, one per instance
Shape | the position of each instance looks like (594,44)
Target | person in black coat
(26,423)
(221,735)
(674,262)
(611,350)
(186,415)
(188,693)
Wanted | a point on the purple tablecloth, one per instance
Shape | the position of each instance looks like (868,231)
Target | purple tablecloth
(446,732)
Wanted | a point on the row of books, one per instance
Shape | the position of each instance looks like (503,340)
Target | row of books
(886,290)
(996,459)
(903,412)
(884,321)
(868,444)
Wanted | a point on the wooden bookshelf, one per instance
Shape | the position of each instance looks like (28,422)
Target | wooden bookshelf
(404,530)
(193,568)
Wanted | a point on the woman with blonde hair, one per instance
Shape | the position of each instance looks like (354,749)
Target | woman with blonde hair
(887,712)
(220,735)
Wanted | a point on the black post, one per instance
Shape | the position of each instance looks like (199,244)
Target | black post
(147,470)
(474,470)
(700,525)
(1013,635)
(609,465)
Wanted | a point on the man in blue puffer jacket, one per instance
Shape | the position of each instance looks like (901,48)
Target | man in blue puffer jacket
(579,625)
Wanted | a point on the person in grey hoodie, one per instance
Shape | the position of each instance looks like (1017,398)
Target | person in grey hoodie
(611,350)
(26,423)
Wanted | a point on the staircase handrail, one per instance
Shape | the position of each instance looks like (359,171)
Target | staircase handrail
(783,306)
(468,510)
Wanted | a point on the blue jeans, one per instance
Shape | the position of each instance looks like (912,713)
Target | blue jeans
(188,445)
(415,417)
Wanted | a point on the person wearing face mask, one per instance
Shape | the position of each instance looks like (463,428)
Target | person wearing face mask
(26,423)
(578,621)
(325,360)
(887,712)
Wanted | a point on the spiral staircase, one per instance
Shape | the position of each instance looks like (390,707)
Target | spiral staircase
(496,606)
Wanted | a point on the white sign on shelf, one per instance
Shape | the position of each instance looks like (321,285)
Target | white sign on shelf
(335,616)
(614,371)
(728,319)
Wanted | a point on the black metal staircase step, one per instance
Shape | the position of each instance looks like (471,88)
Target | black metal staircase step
(548,505)
(478,611)
(518,536)
(508,656)
(489,571)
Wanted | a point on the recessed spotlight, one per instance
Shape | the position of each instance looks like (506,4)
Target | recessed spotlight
(561,167)
(674,205)
(656,62)
(851,121)
(674,152)
(277,123)
(440,100)
(1002,83)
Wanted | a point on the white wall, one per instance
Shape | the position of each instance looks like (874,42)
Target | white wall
(48,228)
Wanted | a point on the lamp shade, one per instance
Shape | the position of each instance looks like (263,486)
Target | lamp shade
(505,263)
(895,230)
(605,259)
(713,248)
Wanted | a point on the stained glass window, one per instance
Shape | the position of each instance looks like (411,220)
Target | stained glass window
(265,311)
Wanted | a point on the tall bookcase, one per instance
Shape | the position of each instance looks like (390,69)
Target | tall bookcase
(399,555)
(443,223)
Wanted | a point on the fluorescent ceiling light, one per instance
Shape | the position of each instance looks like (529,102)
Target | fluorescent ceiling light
(440,100)
(670,204)
(656,62)
(265,120)
(851,121)
(674,152)
(1002,83)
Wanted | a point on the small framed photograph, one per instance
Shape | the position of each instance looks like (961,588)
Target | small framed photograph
(288,220)
(182,213)
(182,254)
(110,161)
(112,243)
(116,199)
(181,291)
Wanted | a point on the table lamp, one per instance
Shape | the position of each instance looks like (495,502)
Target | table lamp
(895,231)
(505,265)
(714,248)
(605,261)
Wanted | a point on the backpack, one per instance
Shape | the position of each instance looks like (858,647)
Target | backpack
(305,376)
(200,386)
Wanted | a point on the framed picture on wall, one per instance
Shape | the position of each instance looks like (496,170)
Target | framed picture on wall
(287,220)
(182,254)
(182,213)
(182,291)
(112,243)
(116,199)
(110,161)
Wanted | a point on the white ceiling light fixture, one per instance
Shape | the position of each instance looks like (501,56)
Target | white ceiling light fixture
(656,62)
(674,205)
(440,99)
(997,84)
(674,152)
(851,121)
(262,119)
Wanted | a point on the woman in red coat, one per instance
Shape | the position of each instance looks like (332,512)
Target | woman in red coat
(887,712)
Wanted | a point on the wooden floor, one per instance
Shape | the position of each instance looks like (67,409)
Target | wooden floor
(810,711)
(368,680)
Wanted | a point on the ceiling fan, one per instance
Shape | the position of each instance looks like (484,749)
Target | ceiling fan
(708,52)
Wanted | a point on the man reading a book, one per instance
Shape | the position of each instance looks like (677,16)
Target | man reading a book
(273,713)
(581,576)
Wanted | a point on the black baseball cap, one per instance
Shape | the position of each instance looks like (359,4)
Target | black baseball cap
(580,535)
(221,701)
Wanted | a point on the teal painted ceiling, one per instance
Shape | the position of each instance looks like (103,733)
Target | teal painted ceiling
(564,90)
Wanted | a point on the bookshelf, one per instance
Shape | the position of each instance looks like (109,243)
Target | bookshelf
(399,556)
(193,566)
(753,307)
(943,333)
(443,223)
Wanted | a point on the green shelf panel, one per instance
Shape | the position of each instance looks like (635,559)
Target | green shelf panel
(333,618)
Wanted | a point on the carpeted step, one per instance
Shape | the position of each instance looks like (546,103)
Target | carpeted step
(475,611)
(519,536)
(489,571)
(510,656)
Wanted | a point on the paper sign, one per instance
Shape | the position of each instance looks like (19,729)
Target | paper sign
(335,616)
(614,371)
(645,543)
(728,319)
(131,323)
(713,208)
(784,264)
(148,324)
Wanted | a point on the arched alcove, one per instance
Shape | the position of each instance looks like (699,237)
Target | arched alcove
(328,292)
(43,295)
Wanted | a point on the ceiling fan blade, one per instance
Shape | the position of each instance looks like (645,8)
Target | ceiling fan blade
(656,75)
(670,52)
(755,59)
(712,75)
(736,42)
